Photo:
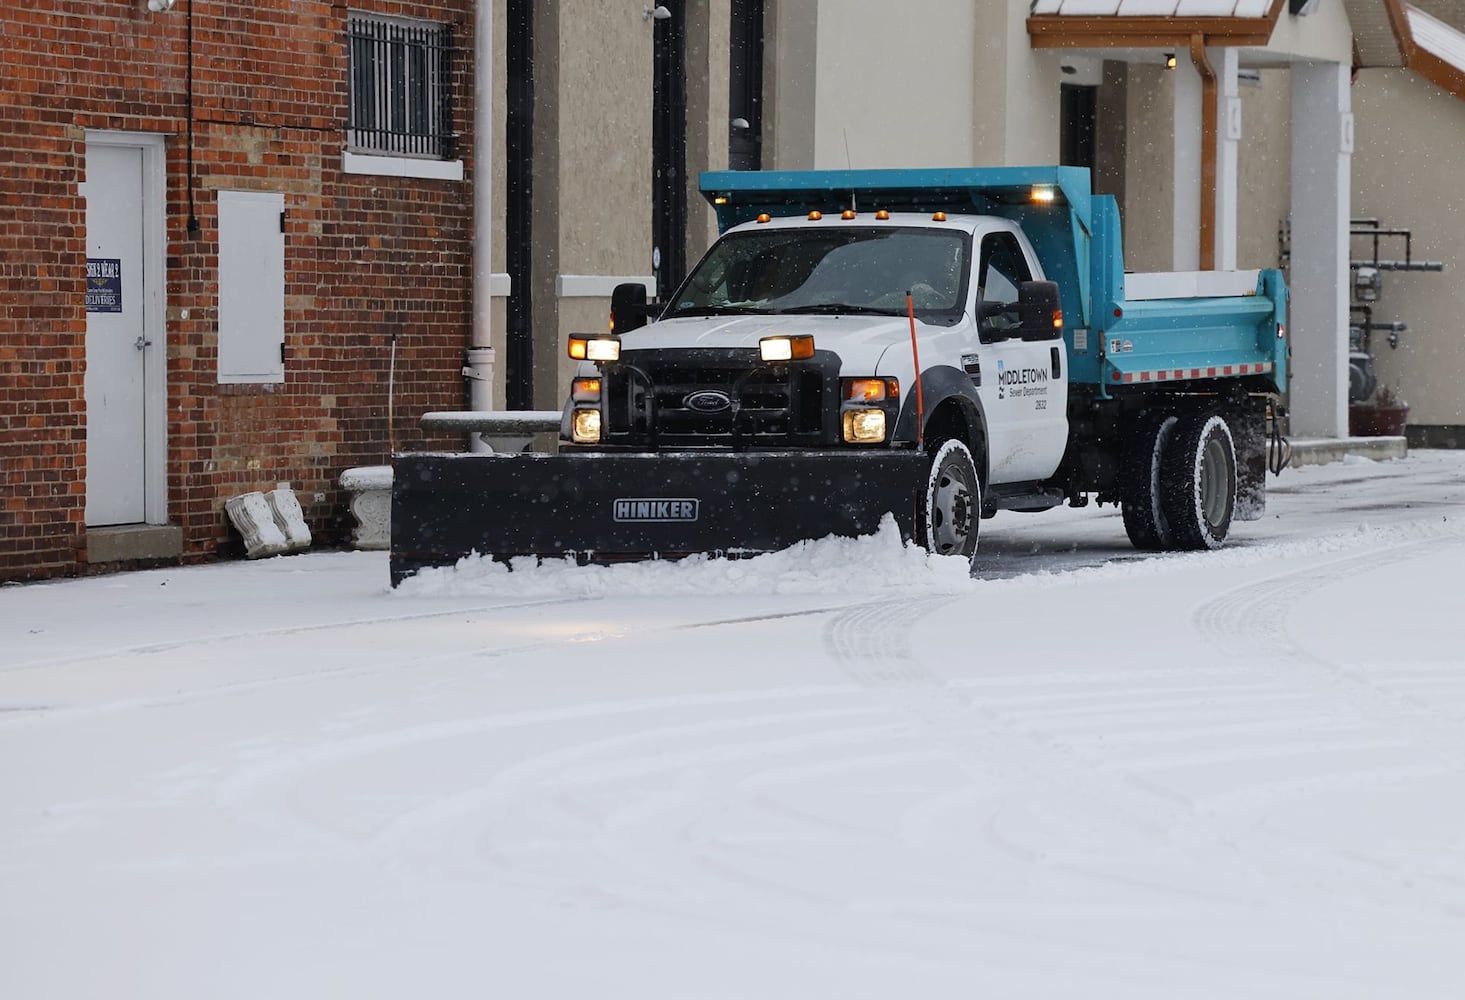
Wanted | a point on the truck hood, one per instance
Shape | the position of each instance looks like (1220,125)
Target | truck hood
(859,341)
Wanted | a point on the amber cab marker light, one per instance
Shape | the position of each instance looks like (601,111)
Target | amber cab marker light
(815,215)
(764,217)
(847,214)
(882,215)
(938,217)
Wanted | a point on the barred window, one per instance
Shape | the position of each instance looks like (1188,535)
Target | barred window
(401,87)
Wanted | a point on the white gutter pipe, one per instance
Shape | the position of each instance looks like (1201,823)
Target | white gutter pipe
(479,369)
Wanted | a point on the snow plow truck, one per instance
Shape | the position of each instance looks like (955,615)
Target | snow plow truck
(935,345)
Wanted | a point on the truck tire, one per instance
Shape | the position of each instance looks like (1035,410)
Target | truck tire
(1139,482)
(1198,482)
(952,503)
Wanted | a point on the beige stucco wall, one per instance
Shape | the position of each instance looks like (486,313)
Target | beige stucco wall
(790,77)
(1409,147)
(1263,164)
(592,169)
(708,27)
(898,89)
(1149,158)
(928,84)
(1016,104)
(1264,168)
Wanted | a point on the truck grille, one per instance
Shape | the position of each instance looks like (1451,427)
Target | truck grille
(718,398)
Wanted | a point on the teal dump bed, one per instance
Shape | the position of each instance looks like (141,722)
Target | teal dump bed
(1112,342)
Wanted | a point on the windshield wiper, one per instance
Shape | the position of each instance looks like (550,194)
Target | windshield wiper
(838,309)
(715,311)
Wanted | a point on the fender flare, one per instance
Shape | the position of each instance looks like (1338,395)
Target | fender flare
(940,385)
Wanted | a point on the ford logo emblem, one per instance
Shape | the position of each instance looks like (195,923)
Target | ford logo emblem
(707,401)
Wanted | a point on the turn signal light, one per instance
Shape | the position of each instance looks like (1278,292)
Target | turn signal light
(1057,319)
(585,390)
(871,390)
(584,348)
(786,348)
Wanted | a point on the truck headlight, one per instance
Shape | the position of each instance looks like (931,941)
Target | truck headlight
(585,426)
(796,348)
(862,426)
(584,347)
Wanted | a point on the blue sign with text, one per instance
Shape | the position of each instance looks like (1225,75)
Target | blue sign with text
(103,285)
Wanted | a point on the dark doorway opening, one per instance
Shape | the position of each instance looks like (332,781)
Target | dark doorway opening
(745,87)
(1079,113)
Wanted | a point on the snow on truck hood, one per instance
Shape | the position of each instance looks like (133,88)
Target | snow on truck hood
(859,341)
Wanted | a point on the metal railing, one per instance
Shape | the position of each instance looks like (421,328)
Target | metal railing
(401,87)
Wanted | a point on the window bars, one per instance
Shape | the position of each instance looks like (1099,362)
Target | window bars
(401,87)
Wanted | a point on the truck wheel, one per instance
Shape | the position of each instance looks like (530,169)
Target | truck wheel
(953,503)
(1198,482)
(1139,482)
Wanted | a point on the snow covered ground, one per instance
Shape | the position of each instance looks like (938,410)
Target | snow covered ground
(841,771)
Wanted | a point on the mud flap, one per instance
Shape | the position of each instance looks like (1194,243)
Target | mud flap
(1249,434)
(607,508)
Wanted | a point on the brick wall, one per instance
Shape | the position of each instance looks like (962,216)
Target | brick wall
(366,258)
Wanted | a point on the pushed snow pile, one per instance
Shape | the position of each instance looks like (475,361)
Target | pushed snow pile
(874,565)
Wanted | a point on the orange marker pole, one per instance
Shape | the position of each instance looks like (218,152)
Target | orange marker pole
(910,308)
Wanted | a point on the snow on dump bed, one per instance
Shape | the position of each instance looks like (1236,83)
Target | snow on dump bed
(1189,284)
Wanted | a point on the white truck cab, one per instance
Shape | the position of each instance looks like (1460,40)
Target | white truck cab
(843,280)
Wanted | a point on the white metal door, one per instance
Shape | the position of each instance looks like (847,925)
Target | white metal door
(116,338)
(1025,383)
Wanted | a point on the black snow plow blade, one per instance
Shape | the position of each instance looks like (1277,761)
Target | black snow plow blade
(609,508)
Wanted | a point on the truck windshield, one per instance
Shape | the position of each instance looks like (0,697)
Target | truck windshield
(843,269)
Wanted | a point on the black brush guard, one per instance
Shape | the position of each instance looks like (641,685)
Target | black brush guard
(614,507)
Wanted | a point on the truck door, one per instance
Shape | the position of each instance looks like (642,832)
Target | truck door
(1025,395)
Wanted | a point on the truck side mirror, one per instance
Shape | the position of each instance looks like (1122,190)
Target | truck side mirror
(628,309)
(1038,305)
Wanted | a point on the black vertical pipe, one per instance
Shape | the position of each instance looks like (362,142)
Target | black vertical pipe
(669,148)
(519,203)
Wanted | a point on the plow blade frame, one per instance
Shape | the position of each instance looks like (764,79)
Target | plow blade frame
(612,507)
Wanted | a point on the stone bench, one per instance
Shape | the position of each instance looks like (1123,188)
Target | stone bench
(370,503)
(501,430)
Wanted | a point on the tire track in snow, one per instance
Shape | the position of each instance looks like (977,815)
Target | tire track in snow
(1052,730)
(1249,625)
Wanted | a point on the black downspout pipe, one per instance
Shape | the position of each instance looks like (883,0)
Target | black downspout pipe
(519,204)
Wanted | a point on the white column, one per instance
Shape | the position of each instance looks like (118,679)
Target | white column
(1185,255)
(1228,139)
(1322,146)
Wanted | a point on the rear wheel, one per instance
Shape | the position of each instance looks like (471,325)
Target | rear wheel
(1139,482)
(952,503)
(1198,482)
